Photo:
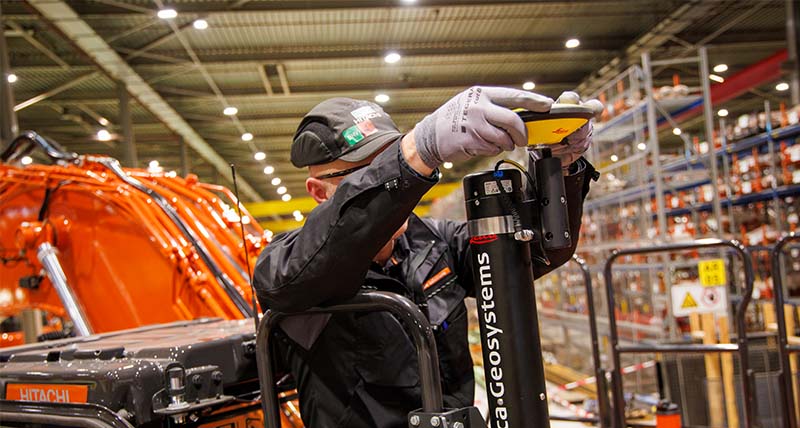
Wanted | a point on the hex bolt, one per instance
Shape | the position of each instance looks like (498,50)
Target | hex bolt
(414,420)
(458,425)
(566,234)
(435,421)
(542,396)
(563,200)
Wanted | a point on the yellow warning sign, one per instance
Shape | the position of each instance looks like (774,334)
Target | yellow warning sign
(688,302)
(712,273)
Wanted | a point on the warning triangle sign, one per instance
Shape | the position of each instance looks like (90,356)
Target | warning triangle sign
(688,302)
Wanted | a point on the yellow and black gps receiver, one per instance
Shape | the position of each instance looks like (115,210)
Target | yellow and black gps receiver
(552,127)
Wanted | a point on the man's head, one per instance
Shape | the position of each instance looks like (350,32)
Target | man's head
(338,137)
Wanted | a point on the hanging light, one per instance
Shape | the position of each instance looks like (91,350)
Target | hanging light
(447,165)
(103,135)
(286,197)
(783,86)
(259,156)
(572,43)
(200,24)
(528,86)
(392,58)
(281,190)
(167,14)
(641,146)
(230,111)
(247,136)
(276,181)
(269,169)
(720,68)
(382,98)
(614,158)
(722,112)
(677,131)
(714,77)
(12,78)
(26,160)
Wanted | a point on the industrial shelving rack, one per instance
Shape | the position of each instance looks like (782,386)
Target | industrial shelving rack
(647,197)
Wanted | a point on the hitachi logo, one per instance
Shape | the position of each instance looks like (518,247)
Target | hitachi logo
(494,379)
(53,396)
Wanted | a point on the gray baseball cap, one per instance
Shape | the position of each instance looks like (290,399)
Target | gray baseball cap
(342,128)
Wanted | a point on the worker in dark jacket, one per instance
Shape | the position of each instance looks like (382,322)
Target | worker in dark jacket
(360,370)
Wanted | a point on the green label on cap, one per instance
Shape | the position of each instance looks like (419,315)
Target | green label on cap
(352,135)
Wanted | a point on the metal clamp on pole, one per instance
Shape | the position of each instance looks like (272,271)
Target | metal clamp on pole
(740,348)
(784,376)
(374,301)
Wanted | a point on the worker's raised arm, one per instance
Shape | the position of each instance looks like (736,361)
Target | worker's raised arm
(326,260)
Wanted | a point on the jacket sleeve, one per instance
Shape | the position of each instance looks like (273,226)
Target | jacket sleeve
(457,235)
(327,259)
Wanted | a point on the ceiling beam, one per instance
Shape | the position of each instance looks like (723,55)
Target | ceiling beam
(276,53)
(85,7)
(61,15)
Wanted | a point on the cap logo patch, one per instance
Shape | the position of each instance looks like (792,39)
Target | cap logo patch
(352,135)
(364,113)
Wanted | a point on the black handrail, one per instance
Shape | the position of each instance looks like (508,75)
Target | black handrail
(27,141)
(784,349)
(741,326)
(599,373)
(372,301)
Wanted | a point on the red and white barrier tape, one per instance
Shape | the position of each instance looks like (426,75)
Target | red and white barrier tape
(553,396)
(592,380)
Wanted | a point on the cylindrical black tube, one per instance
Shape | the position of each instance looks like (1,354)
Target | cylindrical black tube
(553,202)
(503,276)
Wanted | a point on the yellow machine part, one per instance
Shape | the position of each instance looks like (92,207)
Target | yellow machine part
(552,131)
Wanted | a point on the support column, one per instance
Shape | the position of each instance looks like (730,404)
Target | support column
(8,118)
(186,163)
(793,45)
(708,115)
(126,125)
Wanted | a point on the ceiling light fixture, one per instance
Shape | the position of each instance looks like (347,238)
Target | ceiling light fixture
(259,156)
(281,190)
(718,79)
(677,131)
(286,198)
(382,98)
(12,78)
(392,58)
(722,112)
(200,24)
(572,43)
(269,169)
(720,68)
(26,160)
(614,158)
(641,146)
(247,136)
(276,181)
(447,165)
(153,164)
(230,111)
(103,135)
(783,86)
(103,121)
(528,86)
(167,14)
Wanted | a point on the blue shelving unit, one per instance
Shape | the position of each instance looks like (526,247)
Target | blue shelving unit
(743,147)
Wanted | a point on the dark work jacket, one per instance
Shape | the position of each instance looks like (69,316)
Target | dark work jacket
(360,370)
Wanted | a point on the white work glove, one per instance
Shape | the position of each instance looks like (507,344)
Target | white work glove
(577,143)
(476,122)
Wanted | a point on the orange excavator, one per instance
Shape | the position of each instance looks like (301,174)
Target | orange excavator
(90,247)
